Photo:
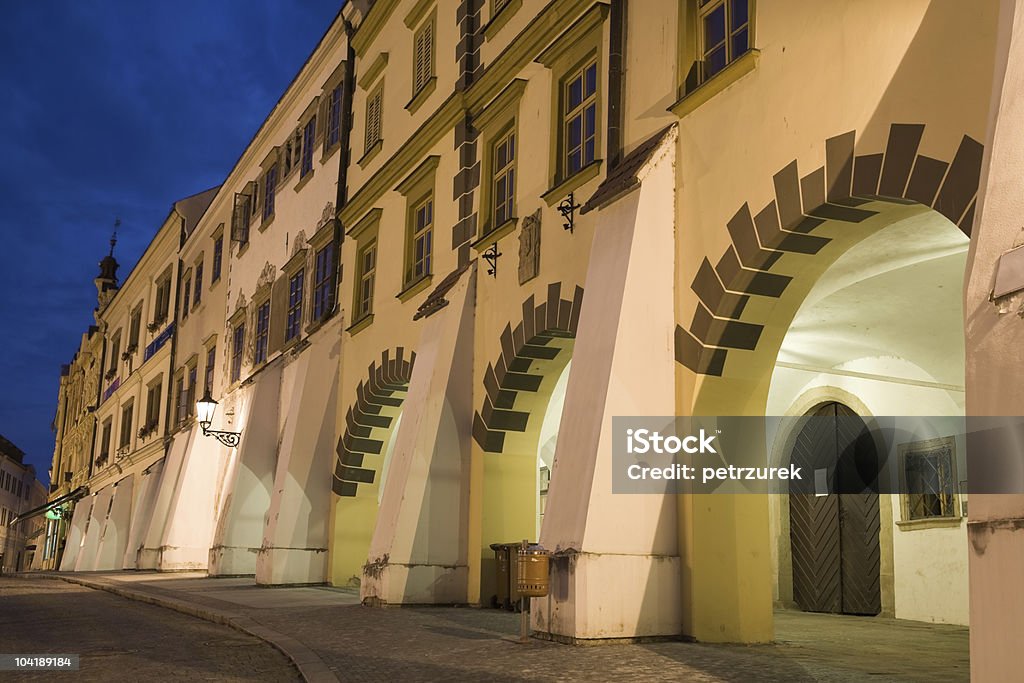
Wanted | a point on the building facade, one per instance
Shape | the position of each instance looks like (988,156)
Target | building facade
(20,539)
(471,233)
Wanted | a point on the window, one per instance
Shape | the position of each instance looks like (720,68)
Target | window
(179,398)
(503,162)
(724,31)
(115,354)
(374,104)
(270,186)
(498,5)
(163,299)
(421,233)
(126,425)
(295,289)
(190,399)
(323,284)
(218,255)
(199,283)
(211,357)
(134,329)
(237,345)
(187,295)
(423,56)
(308,136)
(262,333)
(152,409)
(579,121)
(367,270)
(929,471)
(334,118)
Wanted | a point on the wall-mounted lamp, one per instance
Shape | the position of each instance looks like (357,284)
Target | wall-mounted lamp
(205,408)
(491,256)
(568,208)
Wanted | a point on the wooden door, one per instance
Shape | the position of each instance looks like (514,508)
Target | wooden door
(834,538)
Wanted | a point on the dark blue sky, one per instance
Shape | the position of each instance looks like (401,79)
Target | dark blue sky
(115,108)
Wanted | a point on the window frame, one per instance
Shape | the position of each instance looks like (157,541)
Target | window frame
(210,368)
(261,330)
(218,256)
(325,268)
(366,282)
(414,234)
(950,510)
(126,423)
(237,350)
(197,288)
(308,145)
(373,136)
(421,78)
(704,9)
(270,181)
(293,321)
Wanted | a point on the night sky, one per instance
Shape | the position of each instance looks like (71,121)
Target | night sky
(115,109)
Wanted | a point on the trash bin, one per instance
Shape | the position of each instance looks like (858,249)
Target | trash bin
(502,575)
(532,571)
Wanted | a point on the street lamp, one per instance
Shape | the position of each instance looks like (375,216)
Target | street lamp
(205,408)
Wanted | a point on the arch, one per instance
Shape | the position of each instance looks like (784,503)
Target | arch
(369,423)
(539,344)
(518,388)
(789,229)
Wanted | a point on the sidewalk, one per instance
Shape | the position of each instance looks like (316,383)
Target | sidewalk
(330,637)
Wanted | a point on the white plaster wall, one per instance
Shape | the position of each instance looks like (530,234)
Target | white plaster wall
(930,565)
(114,538)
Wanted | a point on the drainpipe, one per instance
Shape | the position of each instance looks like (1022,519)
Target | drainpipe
(344,154)
(102,329)
(174,351)
(616,80)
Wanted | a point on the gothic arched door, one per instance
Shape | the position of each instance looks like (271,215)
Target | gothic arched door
(834,537)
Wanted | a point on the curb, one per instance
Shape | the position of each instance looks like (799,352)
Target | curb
(310,666)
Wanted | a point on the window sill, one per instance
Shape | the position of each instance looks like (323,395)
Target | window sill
(929,523)
(317,323)
(303,180)
(492,236)
(414,288)
(266,223)
(370,154)
(572,183)
(360,325)
(419,98)
(501,18)
(330,152)
(242,248)
(733,71)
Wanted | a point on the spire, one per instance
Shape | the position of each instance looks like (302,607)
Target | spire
(106,281)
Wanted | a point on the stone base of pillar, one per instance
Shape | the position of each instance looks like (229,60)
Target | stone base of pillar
(232,561)
(417,584)
(183,559)
(593,597)
(291,566)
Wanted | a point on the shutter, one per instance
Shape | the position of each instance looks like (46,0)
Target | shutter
(240,217)
(242,212)
(278,314)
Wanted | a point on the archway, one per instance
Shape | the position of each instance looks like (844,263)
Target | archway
(370,422)
(522,404)
(896,223)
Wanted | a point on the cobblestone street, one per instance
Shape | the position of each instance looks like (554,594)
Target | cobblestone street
(359,643)
(122,640)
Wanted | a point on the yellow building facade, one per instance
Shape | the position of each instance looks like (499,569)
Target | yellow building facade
(471,233)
